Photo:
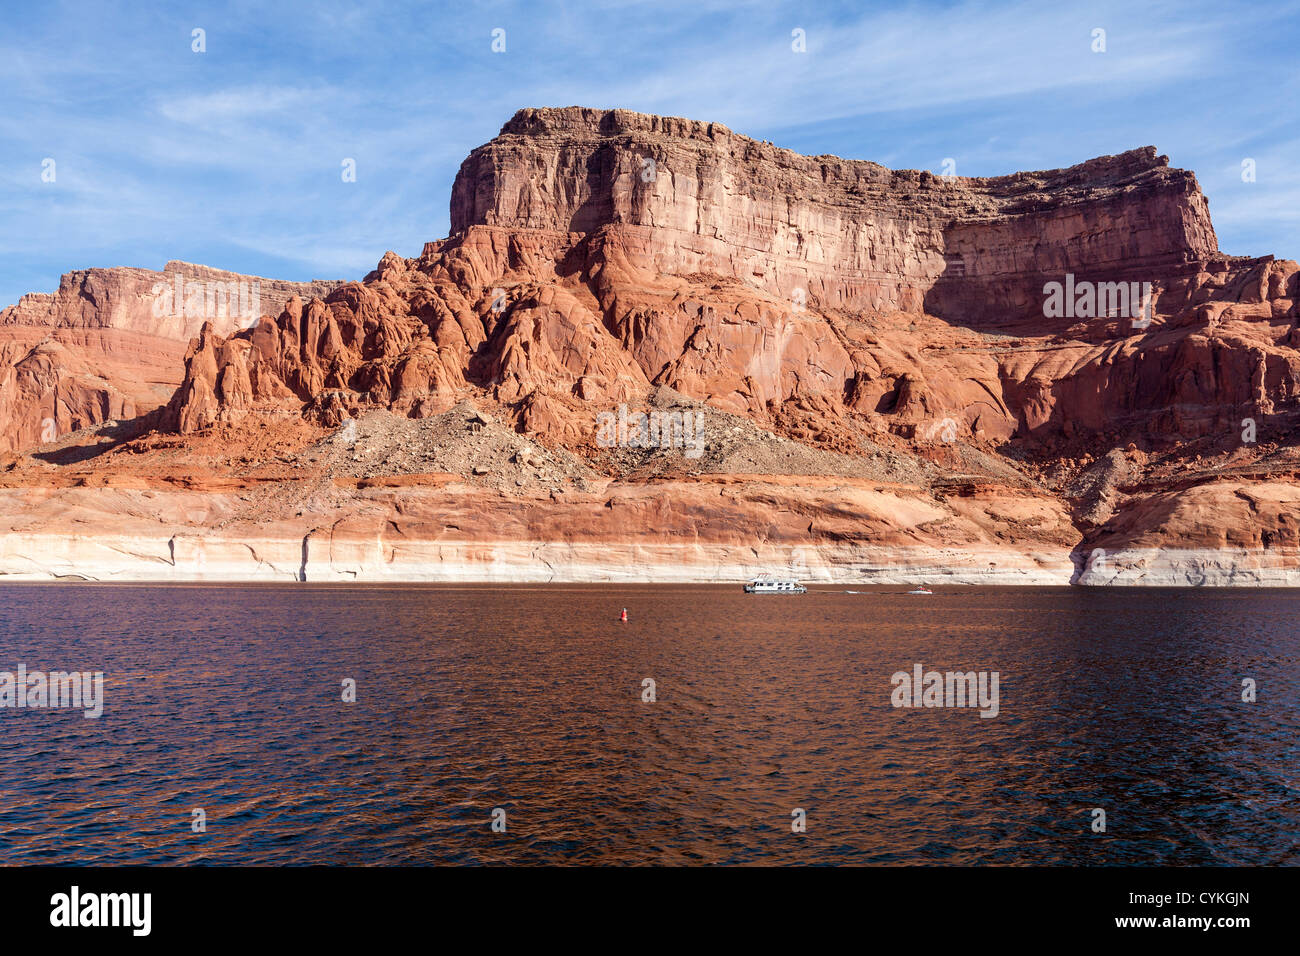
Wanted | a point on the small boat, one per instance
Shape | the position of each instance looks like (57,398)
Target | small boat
(766,584)
(921,590)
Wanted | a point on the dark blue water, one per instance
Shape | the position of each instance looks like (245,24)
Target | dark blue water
(529,699)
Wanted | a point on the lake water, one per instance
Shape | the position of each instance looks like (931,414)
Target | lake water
(530,699)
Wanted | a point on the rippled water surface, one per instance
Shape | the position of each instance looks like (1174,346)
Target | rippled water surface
(530,699)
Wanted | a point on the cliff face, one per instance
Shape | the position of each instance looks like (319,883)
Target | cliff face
(828,320)
(110,343)
(147,302)
(687,197)
(596,254)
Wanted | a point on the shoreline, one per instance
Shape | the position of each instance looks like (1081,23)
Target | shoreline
(209,559)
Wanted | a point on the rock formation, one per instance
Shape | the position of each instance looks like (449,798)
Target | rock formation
(892,332)
(686,197)
(110,343)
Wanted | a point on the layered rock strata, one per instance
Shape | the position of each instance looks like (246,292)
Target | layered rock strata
(844,332)
(109,344)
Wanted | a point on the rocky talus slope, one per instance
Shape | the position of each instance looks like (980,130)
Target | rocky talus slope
(851,372)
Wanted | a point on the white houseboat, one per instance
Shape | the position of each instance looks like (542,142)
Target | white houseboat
(766,584)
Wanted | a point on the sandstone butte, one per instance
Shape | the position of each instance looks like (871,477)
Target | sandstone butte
(879,393)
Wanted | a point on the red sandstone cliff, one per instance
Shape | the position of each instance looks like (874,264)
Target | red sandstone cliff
(110,343)
(829,318)
(684,197)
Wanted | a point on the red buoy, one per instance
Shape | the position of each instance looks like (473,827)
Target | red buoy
(624,617)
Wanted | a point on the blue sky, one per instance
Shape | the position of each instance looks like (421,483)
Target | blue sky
(232,157)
